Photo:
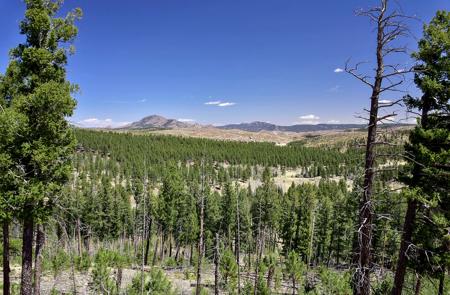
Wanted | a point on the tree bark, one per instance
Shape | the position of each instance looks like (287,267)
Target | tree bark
(418,285)
(6,267)
(441,282)
(40,241)
(365,206)
(191,255)
(80,249)
(258,251)
(119,278)
(27,257)
(156,248)
(293,285)
(216,266)
(270,274)
(200,241)
(408,228)
(238,244)
(147,243)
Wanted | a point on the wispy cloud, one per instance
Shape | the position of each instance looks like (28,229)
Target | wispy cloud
(338,70)
(226,104)
(333,122)
(308,119)
(220,103)
(385,101)
(100,123)
(215,102)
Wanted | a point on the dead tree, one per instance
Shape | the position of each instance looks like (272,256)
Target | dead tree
(216,266)
(144,226)
(238,244)
(200,239)
(387,77)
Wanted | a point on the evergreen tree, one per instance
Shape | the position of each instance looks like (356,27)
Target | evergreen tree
(428,150)
(36,93)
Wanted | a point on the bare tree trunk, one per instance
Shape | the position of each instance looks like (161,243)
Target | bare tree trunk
(408,228)
(156,248)
(365,206)
(144,229)
(26,287)
(177,251)
(441,282)
(6,267)
(418,285)
(258,251)
(389,27)
(80,249)
(200,239)
(216,266)
(161,253)
(147,244)
(293,285)
(40,241)
(191,255)
(170,244)
(119,278)
(200,248)
(249,251)
(238,244)
(311,241)
(270,274)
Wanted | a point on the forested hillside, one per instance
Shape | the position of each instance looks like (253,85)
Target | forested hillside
(120,180)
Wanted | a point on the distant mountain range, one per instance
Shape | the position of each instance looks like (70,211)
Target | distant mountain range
(158,122)
(264,126)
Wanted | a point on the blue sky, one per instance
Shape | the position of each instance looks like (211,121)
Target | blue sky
(267,60)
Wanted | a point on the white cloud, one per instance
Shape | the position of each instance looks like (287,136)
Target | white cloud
(333,122)
(100,123)
(385,101)
(186,120)
(220,103)
(216,102)
(309,117)
(338,70)
(226,104)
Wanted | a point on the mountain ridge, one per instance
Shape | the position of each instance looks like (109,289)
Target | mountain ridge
(159,122)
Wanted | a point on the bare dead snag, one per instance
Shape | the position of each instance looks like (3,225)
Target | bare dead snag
(216,266)
(388,77)
(200,239)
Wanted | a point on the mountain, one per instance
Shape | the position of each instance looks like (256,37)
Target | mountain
(158,122)
(252,127)
(263,126)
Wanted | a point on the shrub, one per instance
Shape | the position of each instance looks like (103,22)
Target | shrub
(83,262)
(155,282)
